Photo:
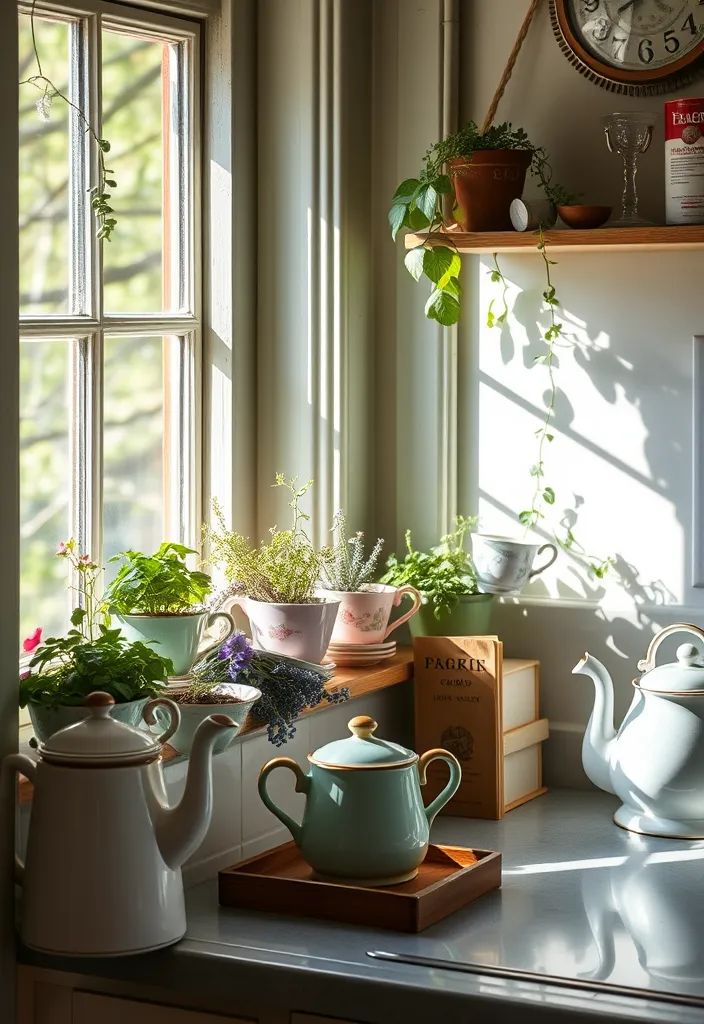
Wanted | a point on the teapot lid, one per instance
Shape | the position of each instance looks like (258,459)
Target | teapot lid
(681,676)
(99,739)
(362,749)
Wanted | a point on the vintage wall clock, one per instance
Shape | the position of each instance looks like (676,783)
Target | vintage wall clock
(637,47)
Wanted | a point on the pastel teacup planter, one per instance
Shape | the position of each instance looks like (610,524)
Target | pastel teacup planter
(299,631)
(363,616)
(158,600)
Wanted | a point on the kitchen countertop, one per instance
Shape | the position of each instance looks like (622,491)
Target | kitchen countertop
(581,900)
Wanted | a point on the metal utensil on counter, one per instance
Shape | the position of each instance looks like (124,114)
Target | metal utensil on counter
(511,973)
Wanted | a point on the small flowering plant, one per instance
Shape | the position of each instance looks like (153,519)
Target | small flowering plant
(288,686)
(91,656)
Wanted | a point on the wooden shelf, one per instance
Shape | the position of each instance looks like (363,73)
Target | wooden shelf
(359,681)
(655,239)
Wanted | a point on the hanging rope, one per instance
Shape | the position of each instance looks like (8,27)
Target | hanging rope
(508,70)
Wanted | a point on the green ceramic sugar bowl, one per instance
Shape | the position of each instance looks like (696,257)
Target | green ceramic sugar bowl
(364,820)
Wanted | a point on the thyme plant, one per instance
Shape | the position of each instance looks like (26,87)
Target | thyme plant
(345,567)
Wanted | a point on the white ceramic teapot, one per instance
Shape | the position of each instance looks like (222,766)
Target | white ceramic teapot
(655,764)
(104,853)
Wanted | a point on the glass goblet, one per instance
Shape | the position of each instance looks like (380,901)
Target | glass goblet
(628,134)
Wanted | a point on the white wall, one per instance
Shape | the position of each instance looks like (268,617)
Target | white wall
(622,454)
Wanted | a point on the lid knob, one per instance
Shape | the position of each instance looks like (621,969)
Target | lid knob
(100,703)
(687,654)
(362,726)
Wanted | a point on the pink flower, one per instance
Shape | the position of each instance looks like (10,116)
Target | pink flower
(62,548)
(33,641)
(25,675)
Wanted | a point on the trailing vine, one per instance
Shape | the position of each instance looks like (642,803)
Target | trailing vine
(544,495)
(99,195)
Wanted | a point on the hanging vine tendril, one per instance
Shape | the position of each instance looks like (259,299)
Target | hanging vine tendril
(99,195)
(543,495)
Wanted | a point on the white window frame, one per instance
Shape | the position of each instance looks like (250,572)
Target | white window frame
(91,323)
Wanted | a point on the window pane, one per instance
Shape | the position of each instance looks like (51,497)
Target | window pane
(45,475)
(133,445)
(136,125)
(44,171)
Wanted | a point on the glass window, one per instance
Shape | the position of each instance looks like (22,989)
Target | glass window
(109,329)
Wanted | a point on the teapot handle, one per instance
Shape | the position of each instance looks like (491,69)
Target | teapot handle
(452,786)
(678,627)
(174,716)
(302,786)
(25,765)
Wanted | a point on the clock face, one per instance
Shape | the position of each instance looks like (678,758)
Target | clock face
(631,41)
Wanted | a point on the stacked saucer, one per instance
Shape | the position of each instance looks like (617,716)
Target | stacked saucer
(360,655)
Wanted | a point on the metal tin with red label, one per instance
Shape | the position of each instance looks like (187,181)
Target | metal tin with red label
(684,161)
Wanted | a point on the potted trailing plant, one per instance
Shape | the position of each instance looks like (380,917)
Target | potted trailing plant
(365,606)
(445,577)
(157,599)
(92,655)
(276,584)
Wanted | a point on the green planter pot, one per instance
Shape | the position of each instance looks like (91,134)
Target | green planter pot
(471,616)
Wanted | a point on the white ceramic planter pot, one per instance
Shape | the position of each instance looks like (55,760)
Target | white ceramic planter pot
(193,714)
(297,630)
(363,616)
(48,720)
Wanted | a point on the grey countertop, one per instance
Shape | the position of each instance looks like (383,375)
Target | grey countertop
(581,899)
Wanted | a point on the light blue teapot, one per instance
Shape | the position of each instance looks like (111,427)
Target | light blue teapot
(364,820)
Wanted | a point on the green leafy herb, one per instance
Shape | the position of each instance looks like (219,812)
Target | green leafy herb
(158,584)
(442,575)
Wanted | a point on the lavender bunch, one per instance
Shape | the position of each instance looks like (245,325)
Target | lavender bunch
(288,686)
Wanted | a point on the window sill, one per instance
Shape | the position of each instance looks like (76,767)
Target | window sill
(359,681)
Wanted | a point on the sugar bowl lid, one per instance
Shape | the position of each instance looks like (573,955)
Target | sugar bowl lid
(99,739)
(362,749)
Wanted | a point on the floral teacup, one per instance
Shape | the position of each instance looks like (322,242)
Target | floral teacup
(297,630)
(363,616)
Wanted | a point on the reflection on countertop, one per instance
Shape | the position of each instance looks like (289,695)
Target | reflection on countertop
(581,899)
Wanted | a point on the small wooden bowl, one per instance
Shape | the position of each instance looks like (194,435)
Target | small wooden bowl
(584,216)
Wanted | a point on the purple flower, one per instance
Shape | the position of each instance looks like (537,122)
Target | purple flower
(238,650)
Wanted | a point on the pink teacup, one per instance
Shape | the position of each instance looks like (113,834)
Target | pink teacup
(363,616)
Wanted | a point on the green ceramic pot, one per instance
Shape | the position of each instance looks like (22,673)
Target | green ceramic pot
(193,714)
(471,616)
(364,821)
(176,637)
(46,721)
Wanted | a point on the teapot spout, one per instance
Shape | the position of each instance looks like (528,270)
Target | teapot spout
(600,737)
(181,829)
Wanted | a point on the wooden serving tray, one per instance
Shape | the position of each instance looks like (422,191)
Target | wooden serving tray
(281,882)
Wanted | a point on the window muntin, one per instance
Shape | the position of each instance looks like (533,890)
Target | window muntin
(112,337)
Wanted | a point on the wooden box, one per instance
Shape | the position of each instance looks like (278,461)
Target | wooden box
(281,882)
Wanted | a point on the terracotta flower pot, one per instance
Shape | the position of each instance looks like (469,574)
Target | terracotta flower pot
(486,184)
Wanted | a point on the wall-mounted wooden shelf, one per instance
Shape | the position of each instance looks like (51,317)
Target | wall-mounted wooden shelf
(655,239)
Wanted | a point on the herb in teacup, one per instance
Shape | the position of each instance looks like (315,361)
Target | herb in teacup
(345,565)
(158,584)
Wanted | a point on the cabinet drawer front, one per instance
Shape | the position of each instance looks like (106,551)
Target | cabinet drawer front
(91,1009)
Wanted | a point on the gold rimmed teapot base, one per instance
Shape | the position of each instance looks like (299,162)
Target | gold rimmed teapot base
(367,883)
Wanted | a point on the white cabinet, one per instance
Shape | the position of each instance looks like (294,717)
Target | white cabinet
(95,1009)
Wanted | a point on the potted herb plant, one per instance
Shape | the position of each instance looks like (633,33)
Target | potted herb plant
(157,599)
(278,581)
(64,670)
(215,689)
(365,606)
(445,577)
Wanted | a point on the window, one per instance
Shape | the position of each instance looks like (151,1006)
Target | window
(109,331)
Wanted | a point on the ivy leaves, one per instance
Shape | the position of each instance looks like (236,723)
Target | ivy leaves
(417,204)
